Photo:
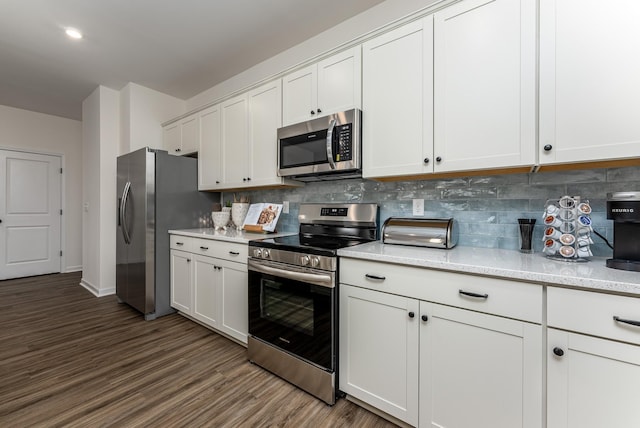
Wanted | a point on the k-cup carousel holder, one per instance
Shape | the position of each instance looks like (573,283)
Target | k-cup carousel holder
(567,232)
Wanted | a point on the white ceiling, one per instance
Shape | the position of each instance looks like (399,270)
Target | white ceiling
(179,47)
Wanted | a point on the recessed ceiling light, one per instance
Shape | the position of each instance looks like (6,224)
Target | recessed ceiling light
(73,33)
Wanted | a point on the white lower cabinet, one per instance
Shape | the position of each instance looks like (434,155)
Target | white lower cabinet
(435,365)
(379,351)
(478,370)
(592,381)
(209,284)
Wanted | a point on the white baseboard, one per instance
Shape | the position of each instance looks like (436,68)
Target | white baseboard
(70,269)
(98,292)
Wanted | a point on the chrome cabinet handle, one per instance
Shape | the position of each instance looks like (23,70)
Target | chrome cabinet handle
(476,295)
(624,321)
(375,277)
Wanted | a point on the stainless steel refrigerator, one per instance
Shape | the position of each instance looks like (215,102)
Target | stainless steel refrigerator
(156,192)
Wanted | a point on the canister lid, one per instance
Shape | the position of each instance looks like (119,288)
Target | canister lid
(623,196)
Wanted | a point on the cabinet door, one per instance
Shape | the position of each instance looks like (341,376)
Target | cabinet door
(478,370)
(485,85)
(210,152)
(589,85)
(397,101)
(171,138)
(235,141)
(190,134)
(206,290)
(234,317)
(300,95)
(379,350)
(593,383)
(340,82)
(181,281)
(265,117)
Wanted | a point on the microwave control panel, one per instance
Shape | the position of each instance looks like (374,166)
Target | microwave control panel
(342,150)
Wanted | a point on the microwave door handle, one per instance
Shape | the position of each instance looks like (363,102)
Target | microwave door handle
(332,126)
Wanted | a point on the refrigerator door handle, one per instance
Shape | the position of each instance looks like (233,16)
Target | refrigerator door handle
(123,211)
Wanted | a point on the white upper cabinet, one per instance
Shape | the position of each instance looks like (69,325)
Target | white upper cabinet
(485,85)
(182,137)
(235,141)
(589,80)
(397,114)
(329,86)
(265,117)
(210,152)
(238,141)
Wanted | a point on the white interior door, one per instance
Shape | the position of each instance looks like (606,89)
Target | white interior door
(30,202)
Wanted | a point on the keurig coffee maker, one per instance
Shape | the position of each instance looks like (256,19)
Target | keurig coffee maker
(624,209)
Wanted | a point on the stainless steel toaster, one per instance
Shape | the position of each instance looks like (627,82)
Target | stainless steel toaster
(420,232)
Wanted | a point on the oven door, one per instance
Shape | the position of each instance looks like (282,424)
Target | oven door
(289,310)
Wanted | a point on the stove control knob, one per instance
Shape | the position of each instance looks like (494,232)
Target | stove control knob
(265,254)
(257,252)
(304,260)
(315,261)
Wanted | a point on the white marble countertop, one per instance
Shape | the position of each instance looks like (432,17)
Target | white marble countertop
(229,235)
(592,275)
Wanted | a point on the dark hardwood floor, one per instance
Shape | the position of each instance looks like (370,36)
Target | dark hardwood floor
(68,358)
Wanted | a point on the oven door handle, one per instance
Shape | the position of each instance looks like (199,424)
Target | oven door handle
(322,280)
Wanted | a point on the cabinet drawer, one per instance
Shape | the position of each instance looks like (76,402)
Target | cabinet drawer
(183,243)
(593,313)
(506,298)
(221,249)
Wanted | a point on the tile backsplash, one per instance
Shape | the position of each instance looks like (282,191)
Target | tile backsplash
(486,207)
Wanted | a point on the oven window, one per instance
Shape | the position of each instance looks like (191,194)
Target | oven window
(286,308)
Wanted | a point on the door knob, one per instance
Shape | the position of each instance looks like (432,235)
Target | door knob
(558,351)
(438,159)
(411,315)
(426,160)
(425,318)
(548,147)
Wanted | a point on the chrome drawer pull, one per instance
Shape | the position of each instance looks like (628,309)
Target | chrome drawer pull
(470,294)
(376,277)
(631,322)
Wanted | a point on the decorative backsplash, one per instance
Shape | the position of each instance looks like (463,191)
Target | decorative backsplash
(486,207)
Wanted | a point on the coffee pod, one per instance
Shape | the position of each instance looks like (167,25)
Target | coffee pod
(567,251)
(583,232)
(552,232)
(552,210)
(584,208)
(584,252)
(567,239)
(552,220)
(567,202)
(584,221)
(551,246)
(584,241)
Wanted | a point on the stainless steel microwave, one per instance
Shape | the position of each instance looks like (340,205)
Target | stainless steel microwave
(326,148)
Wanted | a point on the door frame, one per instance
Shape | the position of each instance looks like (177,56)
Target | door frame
(63,197)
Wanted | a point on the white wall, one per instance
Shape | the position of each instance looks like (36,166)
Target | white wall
(353,28)
(142,112)
(100,136)
(37,132)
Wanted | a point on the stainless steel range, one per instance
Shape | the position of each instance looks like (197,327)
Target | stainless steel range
(293,298)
